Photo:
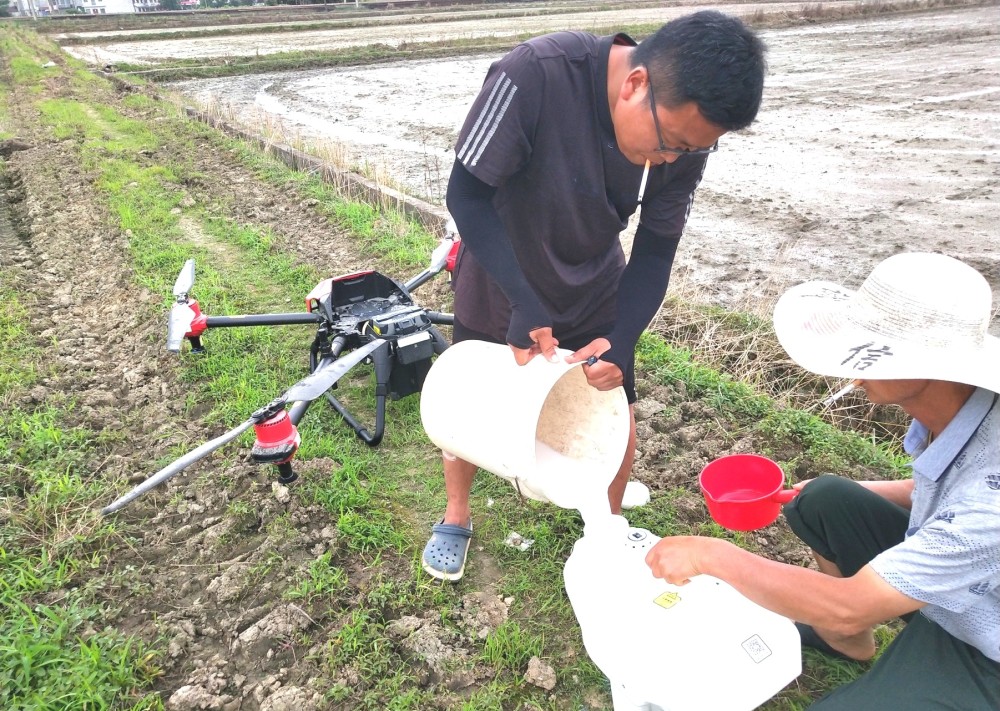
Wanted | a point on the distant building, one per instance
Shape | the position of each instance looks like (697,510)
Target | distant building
(102,7)
(32,8)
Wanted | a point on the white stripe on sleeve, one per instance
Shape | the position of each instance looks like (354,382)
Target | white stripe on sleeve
(489,118)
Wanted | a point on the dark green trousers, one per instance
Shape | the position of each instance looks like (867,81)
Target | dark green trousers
(924,668)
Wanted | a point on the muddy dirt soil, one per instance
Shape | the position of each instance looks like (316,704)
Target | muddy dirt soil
(199,569)
(183,574)
(876,136)
(397,31)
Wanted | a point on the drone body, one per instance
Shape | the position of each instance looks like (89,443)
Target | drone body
(358,317)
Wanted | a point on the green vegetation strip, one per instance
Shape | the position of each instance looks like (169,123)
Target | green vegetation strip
(820,443)
(53,655)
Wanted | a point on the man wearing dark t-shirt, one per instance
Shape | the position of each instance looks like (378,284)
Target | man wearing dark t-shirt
(568,136)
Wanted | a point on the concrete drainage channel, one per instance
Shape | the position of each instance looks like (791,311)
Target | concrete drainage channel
(353,185)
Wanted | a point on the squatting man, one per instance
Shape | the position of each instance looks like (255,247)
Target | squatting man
(925,548)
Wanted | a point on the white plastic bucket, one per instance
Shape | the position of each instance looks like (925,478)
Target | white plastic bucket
(540,425)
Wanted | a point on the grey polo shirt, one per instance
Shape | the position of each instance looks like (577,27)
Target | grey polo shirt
(950,557)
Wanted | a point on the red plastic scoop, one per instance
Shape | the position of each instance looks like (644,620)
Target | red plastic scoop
(744,491)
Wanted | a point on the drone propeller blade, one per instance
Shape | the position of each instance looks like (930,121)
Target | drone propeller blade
(307,389)
(181,318)
(185,280)
(181,315)
(439,258)
(177,466)
(311,387)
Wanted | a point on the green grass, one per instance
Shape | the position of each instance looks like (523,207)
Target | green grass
(102,128)
(401,245)
(5,121)
(54,653)
(202,68)
(828,448)
(50,657)
(240,269)
(28,71)
(362,517)
(509,647)
(824,445)
(362,644)
(19,367)
(55,550)
(322,578)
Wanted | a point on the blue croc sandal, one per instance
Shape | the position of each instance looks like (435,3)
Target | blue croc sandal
(444,554)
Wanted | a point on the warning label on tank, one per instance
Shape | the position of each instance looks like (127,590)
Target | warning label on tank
(667,600)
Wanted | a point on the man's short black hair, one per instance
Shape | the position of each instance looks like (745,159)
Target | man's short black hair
(711,59)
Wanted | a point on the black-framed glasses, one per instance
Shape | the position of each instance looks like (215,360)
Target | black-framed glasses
(659,134)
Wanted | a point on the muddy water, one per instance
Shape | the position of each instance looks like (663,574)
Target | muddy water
(875,137)
(400,119)
(379,32)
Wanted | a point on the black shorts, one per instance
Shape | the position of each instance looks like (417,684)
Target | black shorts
(924,667)
(461,332)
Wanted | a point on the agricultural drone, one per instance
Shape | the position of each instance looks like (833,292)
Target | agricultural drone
(364,316)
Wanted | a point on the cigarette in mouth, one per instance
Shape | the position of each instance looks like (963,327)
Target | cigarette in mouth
(840,393)
(642,183)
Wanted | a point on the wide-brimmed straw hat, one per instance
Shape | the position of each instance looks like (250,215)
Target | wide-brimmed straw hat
(917,315)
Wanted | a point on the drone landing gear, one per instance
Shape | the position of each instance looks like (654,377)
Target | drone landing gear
(383,369)
(400,370)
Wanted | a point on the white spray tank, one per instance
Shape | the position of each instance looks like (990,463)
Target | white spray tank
(698,647)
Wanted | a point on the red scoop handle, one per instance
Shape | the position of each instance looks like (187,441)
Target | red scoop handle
(783,496)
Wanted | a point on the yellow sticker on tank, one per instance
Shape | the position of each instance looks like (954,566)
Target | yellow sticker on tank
(667,600)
